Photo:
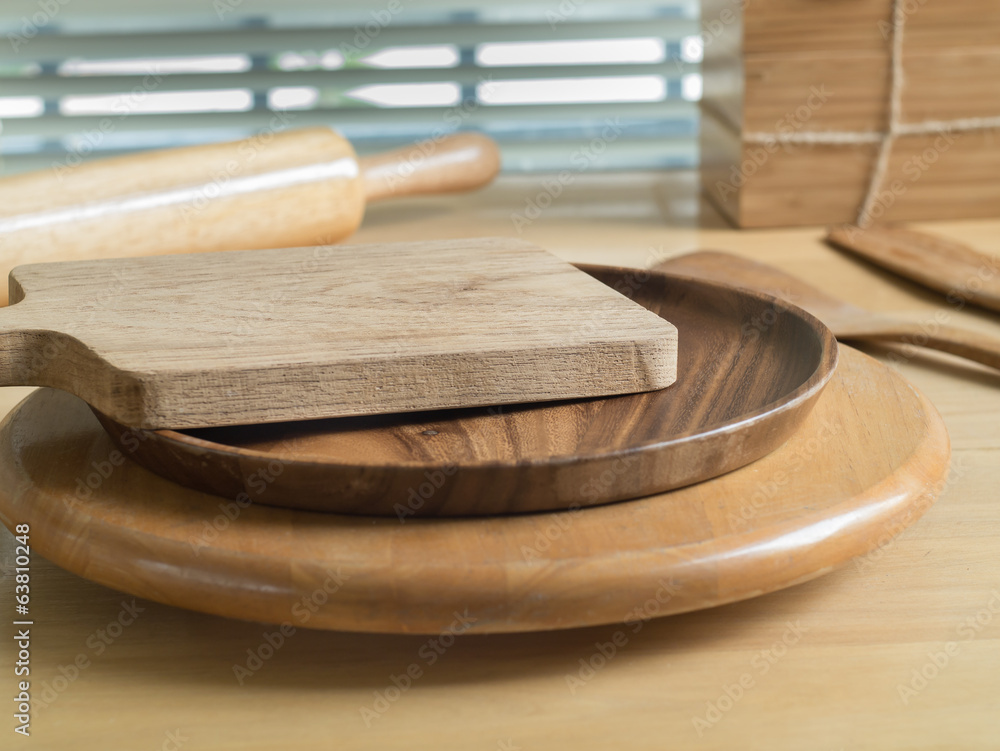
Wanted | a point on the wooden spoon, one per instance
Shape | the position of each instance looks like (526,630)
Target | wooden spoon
(948,266)
(845,320)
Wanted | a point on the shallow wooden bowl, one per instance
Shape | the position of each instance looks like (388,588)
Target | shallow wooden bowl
(750,369)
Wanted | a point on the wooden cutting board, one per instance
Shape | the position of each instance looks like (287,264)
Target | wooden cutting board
(292,334)
(868,461)
(752,369)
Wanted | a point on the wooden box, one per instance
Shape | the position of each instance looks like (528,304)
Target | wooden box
(799,122)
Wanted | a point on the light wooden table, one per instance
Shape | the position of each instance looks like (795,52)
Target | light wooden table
(166,681)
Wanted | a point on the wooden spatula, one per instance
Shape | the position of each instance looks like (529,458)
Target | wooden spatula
(945,265)
(290,334)
(844,320)
(275,190)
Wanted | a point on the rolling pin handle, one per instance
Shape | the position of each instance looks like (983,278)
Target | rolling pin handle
(439,165)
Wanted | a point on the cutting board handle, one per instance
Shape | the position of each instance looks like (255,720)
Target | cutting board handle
(443,165)
(31,354)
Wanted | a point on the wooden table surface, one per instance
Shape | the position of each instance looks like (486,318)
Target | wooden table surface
(898,650)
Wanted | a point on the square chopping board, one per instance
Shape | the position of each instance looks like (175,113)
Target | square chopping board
(297,333)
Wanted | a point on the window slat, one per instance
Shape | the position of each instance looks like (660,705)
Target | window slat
(311,63)
(57,47)
(53,87)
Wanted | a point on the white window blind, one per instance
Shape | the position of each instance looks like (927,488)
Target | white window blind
(82,78)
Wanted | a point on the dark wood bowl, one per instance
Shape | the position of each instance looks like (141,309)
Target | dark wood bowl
(750,369)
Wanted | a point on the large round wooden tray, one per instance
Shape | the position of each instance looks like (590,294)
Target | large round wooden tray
(867,462)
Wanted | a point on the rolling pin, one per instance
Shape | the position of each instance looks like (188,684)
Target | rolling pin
(275,190)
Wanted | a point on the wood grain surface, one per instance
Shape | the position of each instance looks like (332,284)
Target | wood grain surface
(270,335)
(847,321)
(801,28)
(824,73)
(874,452)
(950,267)
(274,190)
(861,633)
(751,371)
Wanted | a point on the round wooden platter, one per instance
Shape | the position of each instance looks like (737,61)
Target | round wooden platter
(749,371)
(868,460)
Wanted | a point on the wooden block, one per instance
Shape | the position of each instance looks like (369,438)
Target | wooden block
(928,176)
(850,93)
(272,335)
(806,26)
(811,83)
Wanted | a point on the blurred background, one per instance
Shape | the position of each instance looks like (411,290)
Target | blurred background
(86,78)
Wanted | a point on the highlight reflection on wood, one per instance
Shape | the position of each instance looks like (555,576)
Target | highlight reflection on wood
(749,373)
(869,460)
